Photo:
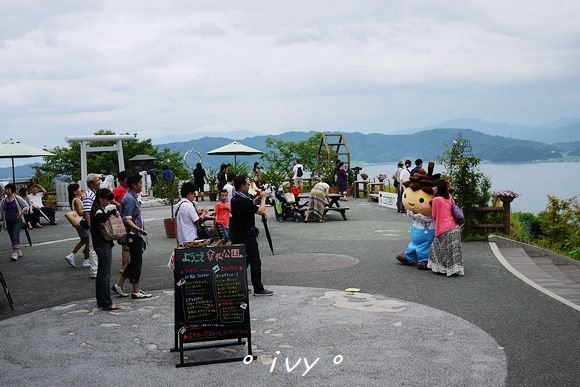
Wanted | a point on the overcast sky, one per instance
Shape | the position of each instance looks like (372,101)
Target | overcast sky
(71,67)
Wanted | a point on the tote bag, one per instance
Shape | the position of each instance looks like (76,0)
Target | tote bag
(74,218)
(113,229)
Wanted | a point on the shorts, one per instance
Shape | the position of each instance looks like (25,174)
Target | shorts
(198,187)
(223,231)
(83,233)
(123,243)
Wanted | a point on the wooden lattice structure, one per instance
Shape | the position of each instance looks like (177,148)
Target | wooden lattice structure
(333,146)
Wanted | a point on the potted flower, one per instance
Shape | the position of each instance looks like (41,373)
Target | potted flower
(168,192)
(506,195)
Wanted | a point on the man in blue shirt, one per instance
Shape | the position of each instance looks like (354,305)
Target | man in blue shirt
(131,213)
(243,229)
(166,174)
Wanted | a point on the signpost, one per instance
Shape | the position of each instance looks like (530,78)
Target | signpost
(211,299)
(388,199)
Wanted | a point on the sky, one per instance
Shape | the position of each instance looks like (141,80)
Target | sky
(172,67)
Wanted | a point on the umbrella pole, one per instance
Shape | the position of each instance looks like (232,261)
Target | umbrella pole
(13,175)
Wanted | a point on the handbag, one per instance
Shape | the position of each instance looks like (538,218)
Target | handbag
(457,213)
(74,218)
(113,228)
(203,232)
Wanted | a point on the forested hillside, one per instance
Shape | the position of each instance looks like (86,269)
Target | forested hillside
(375,148)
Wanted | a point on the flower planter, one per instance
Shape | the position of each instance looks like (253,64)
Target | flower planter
(170,227)
(506,199)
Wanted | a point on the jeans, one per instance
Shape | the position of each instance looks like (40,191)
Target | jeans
(252,260)
(103,283)
(14,227)
(400,206)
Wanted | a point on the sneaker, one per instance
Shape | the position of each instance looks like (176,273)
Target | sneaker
(140,294)
(71,259)
(119,290)
(93,276)
(14,256)
(19,252)
(86,263)
(263,292)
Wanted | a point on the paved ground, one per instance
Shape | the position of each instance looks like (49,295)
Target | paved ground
(489,319)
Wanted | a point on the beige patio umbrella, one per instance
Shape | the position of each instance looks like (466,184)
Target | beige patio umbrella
(236,149)
(12,149)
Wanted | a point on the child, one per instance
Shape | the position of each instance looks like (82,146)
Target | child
(222,217)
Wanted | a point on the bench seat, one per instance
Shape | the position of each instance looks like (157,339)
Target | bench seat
(342,210)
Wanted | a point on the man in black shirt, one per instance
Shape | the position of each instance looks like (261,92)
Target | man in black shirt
(418,167)
(243,229)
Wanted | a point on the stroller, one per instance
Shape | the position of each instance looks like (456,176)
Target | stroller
(285,206)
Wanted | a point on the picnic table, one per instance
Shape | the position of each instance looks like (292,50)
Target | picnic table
(333,205)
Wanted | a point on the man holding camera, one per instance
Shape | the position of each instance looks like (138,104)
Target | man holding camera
(243,229)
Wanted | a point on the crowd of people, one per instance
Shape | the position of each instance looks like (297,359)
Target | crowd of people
(241,199)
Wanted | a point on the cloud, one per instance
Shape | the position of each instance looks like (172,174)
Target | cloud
(179,65)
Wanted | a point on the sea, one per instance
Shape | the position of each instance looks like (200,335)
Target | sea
(533,181)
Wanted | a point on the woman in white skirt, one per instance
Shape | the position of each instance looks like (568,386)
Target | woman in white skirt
(445,255)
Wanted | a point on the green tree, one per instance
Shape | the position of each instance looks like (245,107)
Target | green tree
(67,160)
(281,154)
(471,187)
(560,226)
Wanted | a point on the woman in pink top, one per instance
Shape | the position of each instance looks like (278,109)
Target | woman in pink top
(445,255)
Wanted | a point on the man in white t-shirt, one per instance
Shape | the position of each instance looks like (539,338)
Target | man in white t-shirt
(35,197)
(186,217)
(230,186)
(404,176)
(298,171)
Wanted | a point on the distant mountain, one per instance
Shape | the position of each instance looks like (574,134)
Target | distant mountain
(376,148)
(564,130)
(380,148)
(238,135)
(571,148)
(21,171)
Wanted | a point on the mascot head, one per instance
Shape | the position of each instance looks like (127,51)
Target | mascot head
(418,192)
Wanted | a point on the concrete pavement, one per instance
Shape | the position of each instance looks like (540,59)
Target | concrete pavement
(406,326)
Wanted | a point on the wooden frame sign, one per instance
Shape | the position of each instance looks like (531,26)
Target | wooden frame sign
(211,299)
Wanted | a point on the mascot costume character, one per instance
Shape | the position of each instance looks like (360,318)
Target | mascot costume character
(417,199)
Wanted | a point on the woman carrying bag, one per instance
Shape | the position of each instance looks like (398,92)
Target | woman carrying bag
(12,210)
(75,201)
(103,248)
(445,255)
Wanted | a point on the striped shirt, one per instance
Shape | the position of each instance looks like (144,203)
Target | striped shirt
(88,199)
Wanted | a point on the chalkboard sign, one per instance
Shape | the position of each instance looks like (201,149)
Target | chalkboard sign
(211,293)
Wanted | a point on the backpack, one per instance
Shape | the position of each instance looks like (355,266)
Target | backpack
(299,172)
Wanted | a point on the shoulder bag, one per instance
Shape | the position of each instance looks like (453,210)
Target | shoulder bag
(74,218)
(113,229)
(457,213)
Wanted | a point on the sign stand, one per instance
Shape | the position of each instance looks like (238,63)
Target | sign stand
(211,301)
(7,292)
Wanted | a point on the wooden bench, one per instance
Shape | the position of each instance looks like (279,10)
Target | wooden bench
(342,211)
(373,196)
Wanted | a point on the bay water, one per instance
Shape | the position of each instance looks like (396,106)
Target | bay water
(533,181)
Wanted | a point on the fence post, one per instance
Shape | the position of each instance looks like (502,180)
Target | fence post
(506,217)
